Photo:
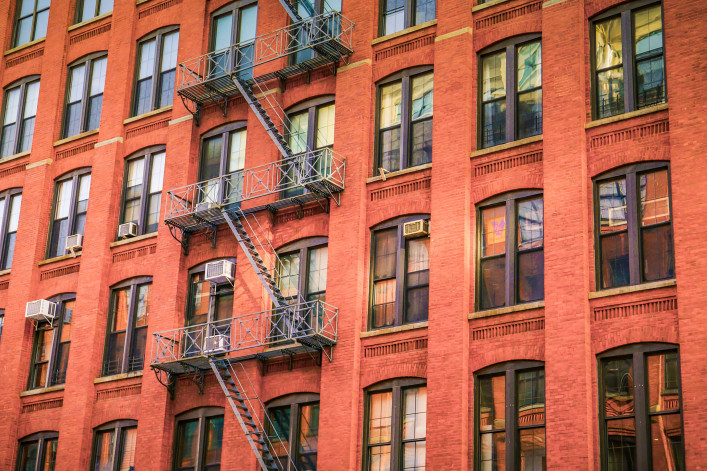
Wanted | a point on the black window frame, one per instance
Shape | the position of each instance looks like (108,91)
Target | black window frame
(637,353)
(511,429)
(147,154)
(409,21)
(41,438)
(156,77)
(510,46)
(117,427)
(631,174)
(57,324)
(87,61)
(202,415)
(625,11)
(405,77)
(129,362)
(17,19)
(510,201)
(9,196)
(75,176)
(294,402)
(78,14)
(396,386)
(22,84)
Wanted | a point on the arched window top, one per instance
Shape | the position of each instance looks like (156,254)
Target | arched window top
(302,243)
(233,6)
(632,168)
(73,173)
(199,412)
(158,31)
(147,150)
(116,424)
(86,57)
(10,191)
(132,281)
(637,348)
(295,398)
(396,383)
(398,220)
(62,297)
(511,41)
(39,435)
(509,366)
(311,102)
(22,81)
(409,72)
(224,128)
(510,195)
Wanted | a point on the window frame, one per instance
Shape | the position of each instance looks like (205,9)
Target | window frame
(224,132)
(8,195)
(158,35)
(396,386)
(510,200)
(61,300)
(78,13)
(630,173)
(41,438)
(510,47)
(213,291)
(87,61)
(75,176)
(641,415)
(22,84)
(294,402)
(304,249)
(17,19)
(625,12)
(234,8)
(148,155)
(202,415)
(510,370)
(409,17)
(132,284)
(117,427)
(405,78)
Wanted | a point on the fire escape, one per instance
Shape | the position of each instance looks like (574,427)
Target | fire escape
(294,324)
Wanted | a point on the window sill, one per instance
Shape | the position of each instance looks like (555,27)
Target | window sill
(57,259)
(118,243)
(625,116)
(75,138)
(403,32)
(34,392)
(147,115)
(632,289)
(5,272)
(405,171)
(24,46)
(486,5)
(106,379)
(507,145)
(15,156)
(392,330)
(89,21)
(507,310)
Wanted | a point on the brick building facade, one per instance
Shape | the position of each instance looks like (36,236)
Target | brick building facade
(551,319)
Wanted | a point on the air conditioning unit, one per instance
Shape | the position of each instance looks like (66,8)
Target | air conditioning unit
(74,242)
(129,229)
(419,228)
(41,310)
(216,344)
(205,206)
(220,271)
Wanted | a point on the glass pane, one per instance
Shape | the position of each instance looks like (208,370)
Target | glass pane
(318,259)
(493,283)
(143,96)
(492,403)
(414,456)
(280,430)
(113,363)
(40,27)
(31,99)
(157,175)
(379,458)
(417,280)
(529,66)
(60,229)
(166,88)
(223,31)
(493,451)
(614,260)
(106,6)
(390,105)
(530,224)
(199,302)
(422,88)
(98,77)
(648,44)
(648,31)
(76,82)
(621,445)
(249,21)
(121,309)
(13,218)
(26,135)
(618,387)
(12,103)
(667,443)
(650,88)
(421,143)
(610,88)
(424,11)
(187,444)
(493,231)
(223,307)
(136,359)
(143,305)
(8,140)
(298,132)
(147,59)
(127,456)
(494,76)
(170,45)
(607,43)
(325,126)
(531,397)
(82,197)
(88,10)
(214,438)
(288,278)
(531,280)
(73,120)
(493,131)
(26,7)
(393,16)
(655,197)
(67,317)
(386,255)
(532,449)
(211,158)
(28,456)
(24,31)
(50,454)
(236,160)
(530,114)
(612,206)
(308,437)
(658,257)
(415,413)
(383,303)
(663,382)
(390,149)
(134,180)
(380,417)
(105,442)
(44,345)
(153,213)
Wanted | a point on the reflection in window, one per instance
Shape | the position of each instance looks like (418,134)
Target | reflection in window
(114,446)
(397,15)
(198,440)
(52,342)
(293,429)
(38,452)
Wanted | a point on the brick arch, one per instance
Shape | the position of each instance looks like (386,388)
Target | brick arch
(499,355)
(112,414)
(622,159)
(498,187)
(397,210)
(642,334)
(393,371)
(289,388)
(403,62)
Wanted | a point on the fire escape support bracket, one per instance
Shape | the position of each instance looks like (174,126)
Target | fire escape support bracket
(193,108)
(170,383)
(183,239)
(223,101)
(197,377)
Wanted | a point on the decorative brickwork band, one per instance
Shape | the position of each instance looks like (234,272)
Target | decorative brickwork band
(4,285)
(636,132)
(57,272)
(157,8)
(294,215)
(133,253)
(144,129)
(118,392)
(507,163)
(617,311)
(12,170)
(286,365)
(508,14)
(391,348)
(91,33)
(24,58)
(508,328)
(42,405)
(400,189)
(407,46)
(71,151)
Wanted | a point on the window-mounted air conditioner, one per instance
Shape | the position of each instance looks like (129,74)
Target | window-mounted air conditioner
(220,271)
(129,229)
(419,228)
(41,310)
(216,344)
(74,243)
(205,206)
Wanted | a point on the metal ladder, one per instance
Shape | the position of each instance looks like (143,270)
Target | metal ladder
(243,399)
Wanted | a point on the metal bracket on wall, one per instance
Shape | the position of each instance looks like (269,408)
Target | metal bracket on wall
(197,377)
(193,108)
(170,382)
(183,238)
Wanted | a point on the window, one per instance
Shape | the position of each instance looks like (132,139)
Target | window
(293,429)
(20,108)
(31,21)
(511,104)
(311,128)
(395,425)
(629,69)
(400,271)
(510,269)
(640,408)
(52,342)
(84,95)
(197,444)
(10,202)
(634,234)
(38,452)
(69,211)
(2,321)
(156,70)
(223,153)
(87,9)
(308,9)
(396,15)
(114,446)
(127,327)
(142,190)
(510,417)
(303,269)
(234,24)
(405,120)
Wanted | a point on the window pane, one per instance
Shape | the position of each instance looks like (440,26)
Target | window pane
(385,250)
(529,66)
(662,382)
(105,442)
(493,283)
(393,16)
(380,417)
(649,82)
(222,32)
(76,83)
(106,6)
(28,456)
(40,28)
(424,11)
(12,103)
(147,59)
(648,43)
(417,280)
(383,303)
(136,359)
(610,87)
(143,96)
(127,455)
(414,456)
(187,444)
(66,321)
(422,96)
(532,449)
(157,176)
(415,414)
(531,280)
(8,140)
(421,143)
(493,451)
(379,458)
(531,397)
(648,31)
(73,119)
(113,363)
(608,43)
(618,387)
(223,306)
(308,437)
(153,213)
(248,24)
(494,76)
(134,180)
(214,437)
(26,7)
(325,126)
(88,10)
(666,443)
(50,454)
(655,197)
(24,31)
(62,363)
(612,206)
(289,274)
(143,305)
(26,134)
(298,132)
(493,131)
(121,308)
(530,114)
(621,444)
(530,224)
(493,231)
(614,260)
(166,91)
(211,158)
(492,403)
(390,111)
(658,257)
(280,431)
(44,345)
(199,299)
(236,159)
(170,44)
(390,149)
(82,197)
(318,259)
(60,229)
